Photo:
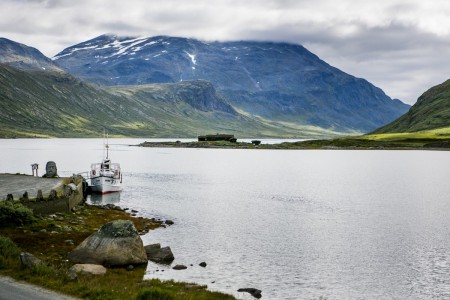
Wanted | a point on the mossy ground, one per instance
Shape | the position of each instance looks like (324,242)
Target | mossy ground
(49,239)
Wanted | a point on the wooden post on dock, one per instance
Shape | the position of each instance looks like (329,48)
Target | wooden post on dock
(35,167)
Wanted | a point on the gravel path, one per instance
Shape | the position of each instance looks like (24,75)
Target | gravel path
(14,290)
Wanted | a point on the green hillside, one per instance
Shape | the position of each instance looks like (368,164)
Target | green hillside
(55,104)
(431,111)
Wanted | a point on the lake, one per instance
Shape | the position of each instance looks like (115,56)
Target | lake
(297,224)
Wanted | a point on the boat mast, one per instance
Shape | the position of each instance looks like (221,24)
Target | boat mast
(107,147)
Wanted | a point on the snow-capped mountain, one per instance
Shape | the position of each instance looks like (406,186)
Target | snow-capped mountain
(276,81)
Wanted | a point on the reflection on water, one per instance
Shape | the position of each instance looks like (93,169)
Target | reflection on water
(99,199)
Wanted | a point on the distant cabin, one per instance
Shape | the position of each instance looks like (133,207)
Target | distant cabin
(217,137)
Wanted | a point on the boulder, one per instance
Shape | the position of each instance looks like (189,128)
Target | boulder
(86,269)
(252,291)
(157,254)
(202,264)
(28,260)
(180,267)
(115,244)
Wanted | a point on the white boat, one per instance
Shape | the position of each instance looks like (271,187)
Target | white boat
(106,176)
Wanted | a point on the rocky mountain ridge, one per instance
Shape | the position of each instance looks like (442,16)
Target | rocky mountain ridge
(280,82)
(24,57)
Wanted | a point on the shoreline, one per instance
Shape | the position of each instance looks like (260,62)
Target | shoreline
(50,238)
(432,144)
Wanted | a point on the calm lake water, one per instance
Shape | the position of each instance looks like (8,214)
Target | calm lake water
(295,224)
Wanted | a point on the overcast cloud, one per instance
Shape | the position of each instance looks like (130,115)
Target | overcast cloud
(401,46)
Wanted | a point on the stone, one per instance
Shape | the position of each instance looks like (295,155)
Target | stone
(52,195)
(50,170)
(24,196)
(193,286)
(116,243)
(252,291)
(157,254)
(86,269)
(169,222)
(130,268)
(28,260)
(202,264)
(180,267)
(39,195)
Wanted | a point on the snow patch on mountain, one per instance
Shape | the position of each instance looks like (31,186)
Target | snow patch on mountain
(192,57)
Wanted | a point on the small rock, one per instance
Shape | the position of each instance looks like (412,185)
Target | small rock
(43,230)
(28,260)
(134,211)
(158,254)
(39,195)
(70,242)
(86,269)
(195,287)
(252,291)
(169,222)
(24,196)
(67,228)
(180,267)
(130,268)
(202,264)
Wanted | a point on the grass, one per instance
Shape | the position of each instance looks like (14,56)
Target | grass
(429,139)
(51,246)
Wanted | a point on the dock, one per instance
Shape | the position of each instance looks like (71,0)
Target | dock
(17,185)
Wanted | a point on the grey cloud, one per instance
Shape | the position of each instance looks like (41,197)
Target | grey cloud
(391,43)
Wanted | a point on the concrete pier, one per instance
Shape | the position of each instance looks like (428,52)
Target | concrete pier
(19,184)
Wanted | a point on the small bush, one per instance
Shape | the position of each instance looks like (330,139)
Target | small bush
(14,213)
(154,293)
(9,252)
(43,270)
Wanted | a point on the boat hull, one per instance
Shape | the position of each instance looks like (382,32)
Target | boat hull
(105,185)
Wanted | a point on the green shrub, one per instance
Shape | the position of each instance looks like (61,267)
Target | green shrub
(43,270)
(14,213)
(154,293)
(9,252)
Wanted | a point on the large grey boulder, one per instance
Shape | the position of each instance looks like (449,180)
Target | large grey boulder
(115,244)
(158,254)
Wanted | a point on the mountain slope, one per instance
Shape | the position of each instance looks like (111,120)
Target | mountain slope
(55,104)
(431,111)
(275,81)
(24,57)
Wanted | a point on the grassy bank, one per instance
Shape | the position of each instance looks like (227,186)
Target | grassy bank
(51,238)
(423,140)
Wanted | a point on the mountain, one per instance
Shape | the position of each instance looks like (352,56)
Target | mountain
(56,104)
(279,82)
(431,111)
(24,57)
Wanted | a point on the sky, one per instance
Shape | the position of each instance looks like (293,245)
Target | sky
(401,46)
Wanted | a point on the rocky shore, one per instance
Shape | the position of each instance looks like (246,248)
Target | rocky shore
(93,249)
